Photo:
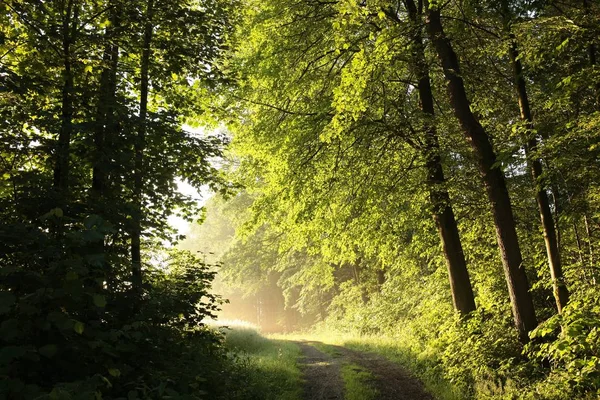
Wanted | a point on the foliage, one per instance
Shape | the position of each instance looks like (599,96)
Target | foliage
(81,166)
(329,141)
(70,340)
(269,367)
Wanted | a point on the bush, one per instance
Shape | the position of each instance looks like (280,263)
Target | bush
(69,331)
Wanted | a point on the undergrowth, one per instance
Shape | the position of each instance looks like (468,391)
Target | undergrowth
(267,369)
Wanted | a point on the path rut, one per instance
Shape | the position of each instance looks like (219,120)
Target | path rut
(323,377)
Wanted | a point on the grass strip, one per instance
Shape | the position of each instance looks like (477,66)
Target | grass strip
(357,383)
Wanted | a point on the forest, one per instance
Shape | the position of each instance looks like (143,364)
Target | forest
(406,191)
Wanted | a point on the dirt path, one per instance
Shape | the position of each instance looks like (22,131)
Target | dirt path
(321,373)
(323,380)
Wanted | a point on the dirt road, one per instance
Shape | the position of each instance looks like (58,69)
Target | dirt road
(323,380)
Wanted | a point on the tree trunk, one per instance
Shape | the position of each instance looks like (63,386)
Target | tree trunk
(106,125)
(104,132)
(136,259)
(443,215)
(61,167)
(561,293)
(493,179)
(380,277)
(588,233)
(556,200)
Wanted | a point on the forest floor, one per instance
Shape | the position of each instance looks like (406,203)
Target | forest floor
(336,372)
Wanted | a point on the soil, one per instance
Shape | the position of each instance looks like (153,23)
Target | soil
(323,378)
(321,374)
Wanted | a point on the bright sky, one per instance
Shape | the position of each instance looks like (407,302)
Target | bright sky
(201,197)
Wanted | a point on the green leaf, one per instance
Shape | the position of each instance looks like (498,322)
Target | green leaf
(114,372)
(99,301)
(9,353)
(48,350)
(79,327)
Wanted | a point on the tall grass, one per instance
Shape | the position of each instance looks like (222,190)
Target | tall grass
(267,369)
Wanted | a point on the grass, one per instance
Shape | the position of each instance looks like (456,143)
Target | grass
(357,380)
(357,383)
(272,373)
(394,349)
(267,368)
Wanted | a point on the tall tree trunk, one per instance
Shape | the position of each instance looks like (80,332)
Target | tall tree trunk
(443,215)
(106,125)
(104,132)
(61,167)
(136,259)
(588,233)
(556,200)
(493,179)
(561,293)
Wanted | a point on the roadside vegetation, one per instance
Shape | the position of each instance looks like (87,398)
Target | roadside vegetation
(268,368)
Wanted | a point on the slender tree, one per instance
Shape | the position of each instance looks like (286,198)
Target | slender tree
(69,24)
(138,169)
(561,293)
(492,175)
(443,214)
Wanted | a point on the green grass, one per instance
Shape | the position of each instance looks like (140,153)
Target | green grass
(357,383)
(357,380)
(422,367)
(267,368)
(327,349)
(397,350)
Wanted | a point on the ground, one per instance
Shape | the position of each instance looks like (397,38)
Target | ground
(325,368)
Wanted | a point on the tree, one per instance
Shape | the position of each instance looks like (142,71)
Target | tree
(493,178)
(70,81)
(561,292)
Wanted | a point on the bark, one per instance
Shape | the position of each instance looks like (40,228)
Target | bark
(556,200)
(380,277)
(136,259)
(588,233)
(443,214)
(493,179)
(561,293)
(61,168)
